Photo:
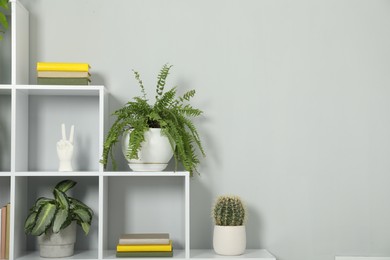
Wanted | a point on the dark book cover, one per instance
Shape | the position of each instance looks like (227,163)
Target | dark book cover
(144,254)
(63,81)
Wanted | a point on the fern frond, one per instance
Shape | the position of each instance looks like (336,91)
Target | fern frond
(189,111)
(161,79)
(165,101)
(140,83)
(188,95)
(137,136)
(194,133)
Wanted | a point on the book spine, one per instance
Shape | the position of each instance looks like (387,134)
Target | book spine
(63,74)
(7,231)
(144,254)
(133,241)
(63,81)
(143,248)
(3,230)
(55,66)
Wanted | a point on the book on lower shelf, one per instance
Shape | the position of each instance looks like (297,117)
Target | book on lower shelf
(144,245)
(5,231)
(63,74)
(144,238)
(62,66)
(144,254)
(56,73)
(63,81)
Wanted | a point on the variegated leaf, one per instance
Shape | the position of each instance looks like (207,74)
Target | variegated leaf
(44,219)
(30,222)
(85,227)
(65,185)
(59,219)
(61,198)
(83,214)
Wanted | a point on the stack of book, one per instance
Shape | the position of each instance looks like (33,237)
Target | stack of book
(144,245)
(4,231)
(56,73)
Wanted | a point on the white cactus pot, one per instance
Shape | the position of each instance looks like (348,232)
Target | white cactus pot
(155,152)
(59,244)
(229,240)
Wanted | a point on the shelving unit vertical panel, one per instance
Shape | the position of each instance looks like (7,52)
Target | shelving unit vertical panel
(19,195)
(103,107)
(20,126)
(103,235)
(20,43)
(187,215)
(5,128)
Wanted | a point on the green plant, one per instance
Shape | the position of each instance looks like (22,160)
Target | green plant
(229,211)
(169,112)
(3,18)
(58,213)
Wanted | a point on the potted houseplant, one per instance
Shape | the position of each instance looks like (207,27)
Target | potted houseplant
(54,221)
(3,18)
(229,230)
(153,133)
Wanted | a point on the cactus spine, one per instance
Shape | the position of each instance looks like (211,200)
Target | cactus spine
(229,211)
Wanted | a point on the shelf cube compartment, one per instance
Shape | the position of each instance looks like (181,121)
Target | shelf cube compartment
(30,188)
(141,204)
(41,111)
(5,189)
(5,129)
(5,54)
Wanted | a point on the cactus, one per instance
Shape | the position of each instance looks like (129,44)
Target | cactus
(229,211)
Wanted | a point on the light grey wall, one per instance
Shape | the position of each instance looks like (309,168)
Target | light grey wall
(296,101)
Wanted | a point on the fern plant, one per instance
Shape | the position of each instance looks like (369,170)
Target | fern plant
(58,213)
(3,18)
(169,112)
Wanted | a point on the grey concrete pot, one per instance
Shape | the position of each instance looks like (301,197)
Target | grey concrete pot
(58,245)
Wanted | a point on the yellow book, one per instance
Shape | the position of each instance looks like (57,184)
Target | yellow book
(144,248)
(62,66)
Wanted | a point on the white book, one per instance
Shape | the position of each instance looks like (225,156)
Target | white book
(145,239)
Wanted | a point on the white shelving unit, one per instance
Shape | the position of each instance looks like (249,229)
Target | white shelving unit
(29,115)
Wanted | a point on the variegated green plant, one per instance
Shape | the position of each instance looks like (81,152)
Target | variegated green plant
(3,19)
(58,213)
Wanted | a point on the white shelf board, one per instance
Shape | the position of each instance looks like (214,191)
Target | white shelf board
(249,253)
(56,173)
(60,90)
(79,255)
(147,174)
(110,254)
(5,90)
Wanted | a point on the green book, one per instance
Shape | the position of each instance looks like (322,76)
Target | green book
(63,81)
(144,254)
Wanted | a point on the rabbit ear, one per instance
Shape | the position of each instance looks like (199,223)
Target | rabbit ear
(63,132)
(71,134)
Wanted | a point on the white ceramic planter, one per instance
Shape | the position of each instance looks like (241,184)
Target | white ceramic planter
(59,244)
(155,151)
(229,240)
